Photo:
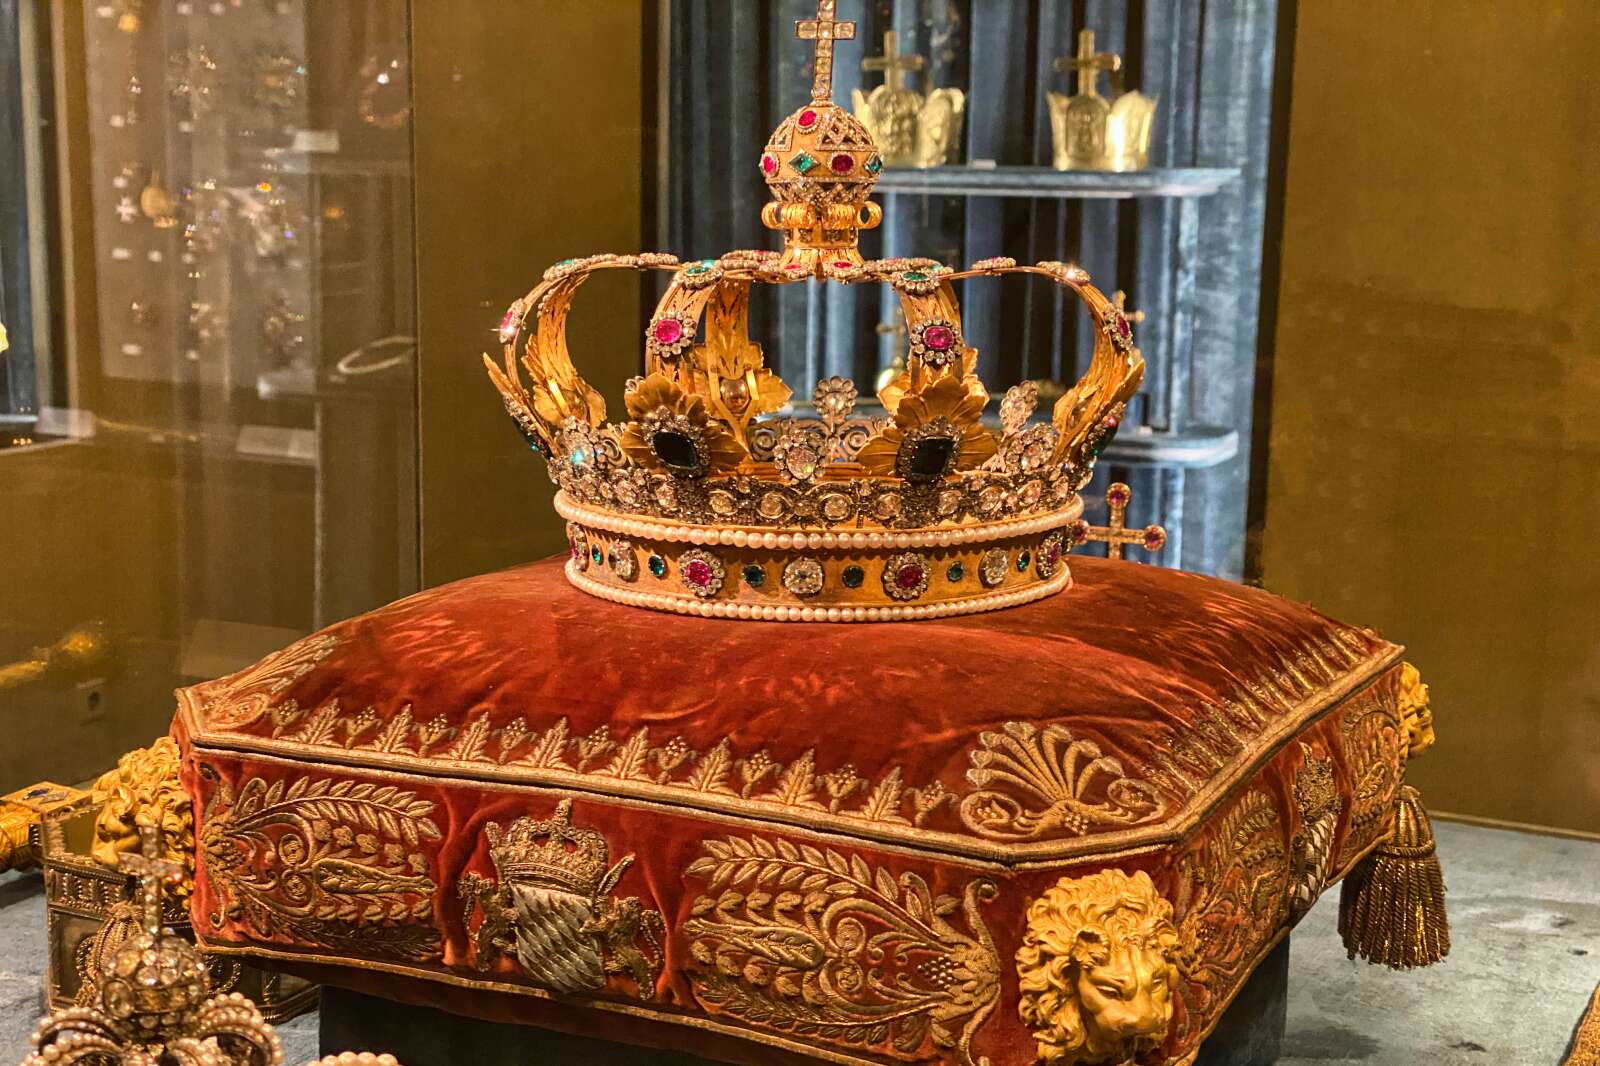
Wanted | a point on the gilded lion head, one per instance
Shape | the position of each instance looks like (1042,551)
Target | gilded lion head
(144,790)
(1098,969)
(1415,712)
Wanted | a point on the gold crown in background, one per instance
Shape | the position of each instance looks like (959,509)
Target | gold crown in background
(1092,132)
(911,130)
(714,498)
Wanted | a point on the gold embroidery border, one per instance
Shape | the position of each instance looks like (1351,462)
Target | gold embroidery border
(920,841)
(1285,929)
(694,1021)
(691,1020)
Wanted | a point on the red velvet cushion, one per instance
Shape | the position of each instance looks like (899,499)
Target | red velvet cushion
(1145,719)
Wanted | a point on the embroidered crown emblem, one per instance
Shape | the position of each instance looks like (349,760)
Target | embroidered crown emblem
(552,853)
(716,496)
(552,909)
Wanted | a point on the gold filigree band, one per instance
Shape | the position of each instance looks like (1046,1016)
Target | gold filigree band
(817,575)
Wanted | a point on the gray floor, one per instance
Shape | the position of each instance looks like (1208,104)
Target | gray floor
(1525,914)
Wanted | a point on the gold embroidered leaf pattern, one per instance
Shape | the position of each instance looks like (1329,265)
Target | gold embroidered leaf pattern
(798,784)
(1231,896)
(323,863)
(711,770)
(236,701)
(631,758)
(546,751)
(1065,784)
(823,946)
(1373,743)
(473,741)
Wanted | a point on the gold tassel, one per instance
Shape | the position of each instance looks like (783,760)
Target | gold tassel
(1391,907)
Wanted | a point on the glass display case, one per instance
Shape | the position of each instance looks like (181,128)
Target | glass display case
(211,388)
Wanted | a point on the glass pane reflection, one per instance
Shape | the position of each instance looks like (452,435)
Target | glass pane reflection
(224,453)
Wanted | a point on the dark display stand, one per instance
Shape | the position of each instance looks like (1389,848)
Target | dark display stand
(1250,1033)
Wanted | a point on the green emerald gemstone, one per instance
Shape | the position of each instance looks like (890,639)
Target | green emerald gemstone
(1022,561)
(597,555)
(755,576)
(956,572)
(803,163)
(875,164)
(658,566)
(915,275)
(853,576)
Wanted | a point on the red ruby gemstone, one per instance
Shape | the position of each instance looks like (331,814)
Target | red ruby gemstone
(908,577)
(939,338)
(1155,537)
(1123,327)
(1052,555)
(1080,531)
(808,117)
(572,546)
(669,331)
(1118,495)
(769,164)
(842,163)
(842,264)
(697,572)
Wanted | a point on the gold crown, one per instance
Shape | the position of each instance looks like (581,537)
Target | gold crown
(712,498)
(1092,132)
(549,854)
(911,130)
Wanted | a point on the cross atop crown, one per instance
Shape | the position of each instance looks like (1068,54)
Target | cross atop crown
(824,29)
(153,873)
(895,66)
(1088,63)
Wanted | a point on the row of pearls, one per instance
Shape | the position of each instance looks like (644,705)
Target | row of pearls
(657,601)
(750,538)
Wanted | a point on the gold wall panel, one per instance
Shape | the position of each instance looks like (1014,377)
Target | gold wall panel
(528,151)
(1434,434)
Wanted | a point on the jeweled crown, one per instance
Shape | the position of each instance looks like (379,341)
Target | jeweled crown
(1093,132)
(549,854)
(717,497)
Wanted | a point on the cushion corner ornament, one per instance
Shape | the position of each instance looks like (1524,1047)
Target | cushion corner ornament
(1098,969)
